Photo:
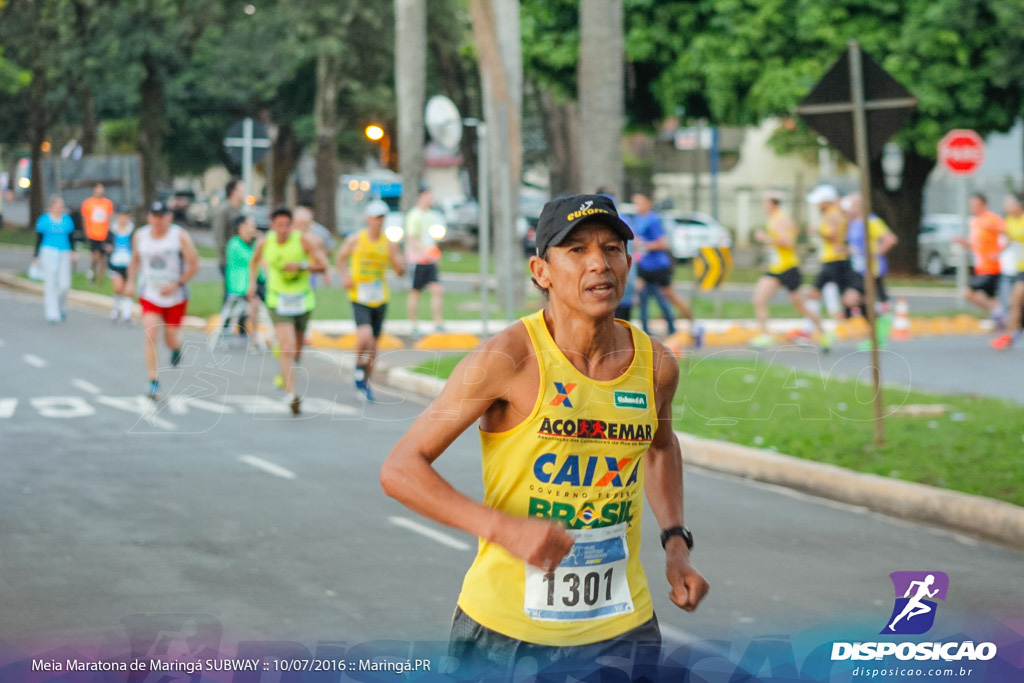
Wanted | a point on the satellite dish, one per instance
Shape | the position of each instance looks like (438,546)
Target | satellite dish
(444,122)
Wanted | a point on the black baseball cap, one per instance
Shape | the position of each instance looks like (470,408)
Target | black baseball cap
(158,207)
(560,216)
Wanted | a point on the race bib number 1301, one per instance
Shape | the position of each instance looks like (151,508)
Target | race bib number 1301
(590,583)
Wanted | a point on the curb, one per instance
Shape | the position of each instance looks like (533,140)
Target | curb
(91,299)
(975,515)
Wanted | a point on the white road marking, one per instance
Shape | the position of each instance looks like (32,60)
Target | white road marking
(34,361)
(268,467)
(138,405)
(7,406)
(87,387)
(179,405)
(62,406)
(433,534)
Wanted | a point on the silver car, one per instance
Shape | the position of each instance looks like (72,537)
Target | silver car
(688,231)
(936,251)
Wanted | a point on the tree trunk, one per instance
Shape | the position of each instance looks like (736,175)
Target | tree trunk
(328,73)
(151,127)
(286,152)
(501,75)
(36,136)
(89,124)
(600,89)
(902,209)
(410,91)
(561,131)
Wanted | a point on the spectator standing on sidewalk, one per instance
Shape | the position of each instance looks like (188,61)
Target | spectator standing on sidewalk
(423,254)
(224,221)
(53,256)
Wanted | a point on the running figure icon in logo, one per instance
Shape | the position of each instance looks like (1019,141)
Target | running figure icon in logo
(916,588)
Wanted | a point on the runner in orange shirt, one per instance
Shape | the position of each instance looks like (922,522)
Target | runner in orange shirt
(984,241)
(97,211)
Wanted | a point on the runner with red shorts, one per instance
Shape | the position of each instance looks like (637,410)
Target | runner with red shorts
(165,259)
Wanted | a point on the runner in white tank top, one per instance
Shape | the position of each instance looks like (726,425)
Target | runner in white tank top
(165,259)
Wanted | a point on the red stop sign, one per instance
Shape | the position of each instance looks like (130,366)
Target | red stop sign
(961,151)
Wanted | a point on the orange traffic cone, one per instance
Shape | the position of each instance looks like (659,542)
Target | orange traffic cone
(901,323)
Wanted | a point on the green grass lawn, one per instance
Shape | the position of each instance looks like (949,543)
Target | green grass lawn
(975,447)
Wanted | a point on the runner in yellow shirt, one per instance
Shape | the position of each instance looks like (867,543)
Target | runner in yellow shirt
(575,411)
(835,258)
(363,263)
(779,236)
(1015,232)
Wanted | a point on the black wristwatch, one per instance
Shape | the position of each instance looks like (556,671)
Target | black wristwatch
(677,531)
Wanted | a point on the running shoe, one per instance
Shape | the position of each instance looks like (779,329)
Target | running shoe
(294,403)
(1002,342)
(279,381)
(366,393)
(762,341)
(798,335)
(826,339)
(154,389)
(175,357)
(866,344)
(114,315)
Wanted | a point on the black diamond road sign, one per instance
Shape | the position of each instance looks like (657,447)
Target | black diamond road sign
(828,108)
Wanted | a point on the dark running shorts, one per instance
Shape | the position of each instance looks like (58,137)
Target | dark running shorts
(370,315)
(834,271)
(985,283)
(300,322)
(857,282)
(1019,277)
(659,276)
(424,274)
(99,246)
(476,646)
(791,279)
(118,270)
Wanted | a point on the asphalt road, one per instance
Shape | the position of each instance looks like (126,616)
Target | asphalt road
(217,513)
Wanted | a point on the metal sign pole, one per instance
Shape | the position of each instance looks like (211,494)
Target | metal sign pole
(860,135)
(962,256)
(247,155)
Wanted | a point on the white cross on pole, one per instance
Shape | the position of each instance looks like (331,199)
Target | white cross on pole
(247,143)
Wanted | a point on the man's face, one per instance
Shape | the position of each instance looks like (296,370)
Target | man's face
(642,203)
(1011,206)
(97,190)
(247,230)
(281,224)
(160,221)
(977,206)
(374,222)
(426,200)
(587,271)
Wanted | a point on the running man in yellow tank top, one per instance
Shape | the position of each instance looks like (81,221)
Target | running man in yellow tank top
(834,255)
(289,256)
(363,263)
(575,411)
(779,237)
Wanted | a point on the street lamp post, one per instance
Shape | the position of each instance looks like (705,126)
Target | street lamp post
(376,133)
(484,219)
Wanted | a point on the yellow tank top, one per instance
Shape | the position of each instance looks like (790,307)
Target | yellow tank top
(369,266)
(577,459)
(829,250)
(780,259)
(1015,231)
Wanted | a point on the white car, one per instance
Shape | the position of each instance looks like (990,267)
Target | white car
(936,251)
(688,231)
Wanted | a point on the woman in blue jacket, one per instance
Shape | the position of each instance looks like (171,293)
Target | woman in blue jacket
(53,254)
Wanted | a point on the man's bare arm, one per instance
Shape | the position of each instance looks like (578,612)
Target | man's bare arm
(479,382)
(663,486)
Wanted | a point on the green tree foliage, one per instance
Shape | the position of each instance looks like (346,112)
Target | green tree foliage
(755,58)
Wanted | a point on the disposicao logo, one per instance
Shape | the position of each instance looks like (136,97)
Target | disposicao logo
(913,614)
(916,593)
